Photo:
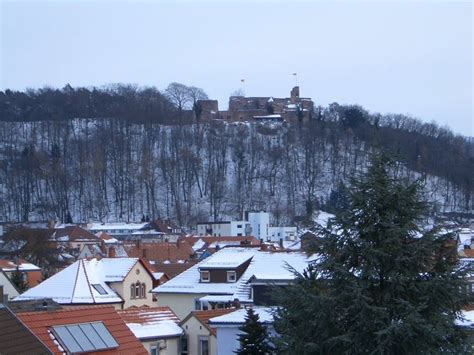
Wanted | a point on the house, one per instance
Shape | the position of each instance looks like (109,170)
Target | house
(31,273)
(254,223)
(75,237)
(172,269)
(120,282)
(8,290)
(161,252)
(222,228)
(16,338)
(116,229)
(205,246)
(233,273)
(200,336)
(157,328)
(105,250)
(160,230)
(227,327)
(92,330)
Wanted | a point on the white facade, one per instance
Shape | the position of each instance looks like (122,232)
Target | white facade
(285,233)
(224,229)
(260,223)
(116,229)
(9,290)
(257,224)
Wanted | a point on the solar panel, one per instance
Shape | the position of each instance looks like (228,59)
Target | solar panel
(100,289)
(84,337)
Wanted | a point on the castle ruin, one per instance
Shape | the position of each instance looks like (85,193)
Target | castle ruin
(260,108)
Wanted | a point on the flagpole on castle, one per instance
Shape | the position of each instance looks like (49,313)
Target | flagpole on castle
(243,85)
(296,78)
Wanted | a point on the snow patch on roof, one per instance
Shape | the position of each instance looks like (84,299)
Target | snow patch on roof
(238,317)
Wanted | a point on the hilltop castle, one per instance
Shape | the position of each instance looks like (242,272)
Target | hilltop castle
(260,108)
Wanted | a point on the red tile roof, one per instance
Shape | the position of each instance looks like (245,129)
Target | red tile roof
(75,233)
(40,322)
(204,316)
(173,269)
(160,251)
(148,315)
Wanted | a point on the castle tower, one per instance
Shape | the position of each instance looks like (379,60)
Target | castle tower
(295,95)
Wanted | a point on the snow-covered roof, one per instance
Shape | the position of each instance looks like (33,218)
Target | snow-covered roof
(238,316)
(158,275)
(223,261)
(8,265)
(465,237)
(85,281)
(217,298)
(155,322)
(267,116)
(322,218)
(199,244)
(262,262)
(467,321)
(115,226)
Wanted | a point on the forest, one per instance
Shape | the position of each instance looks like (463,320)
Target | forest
(128,153)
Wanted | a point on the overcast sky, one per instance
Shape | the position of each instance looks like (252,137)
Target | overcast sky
(399,57)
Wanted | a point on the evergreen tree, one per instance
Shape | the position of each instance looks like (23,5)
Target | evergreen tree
(254,337)
(381,284)
(18,280)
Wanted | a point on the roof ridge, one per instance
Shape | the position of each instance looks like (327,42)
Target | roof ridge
(89,283)
(75,280)
(62,310)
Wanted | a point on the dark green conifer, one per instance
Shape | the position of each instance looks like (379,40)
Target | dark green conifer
(382,284)
(254,338)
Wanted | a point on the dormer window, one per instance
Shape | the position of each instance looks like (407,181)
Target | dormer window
(231,276)
(205,276)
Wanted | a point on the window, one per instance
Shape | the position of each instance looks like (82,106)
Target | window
(203,345)
(184,345)
(239,226)
(100,289)
(205,276)
(154,350)
(231,276)
(197,304)
(137,290)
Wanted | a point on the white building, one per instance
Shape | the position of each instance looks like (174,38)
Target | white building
(116,229)
(224,228)
(256,224)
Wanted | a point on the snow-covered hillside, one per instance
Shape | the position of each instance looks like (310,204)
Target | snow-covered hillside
(107,170)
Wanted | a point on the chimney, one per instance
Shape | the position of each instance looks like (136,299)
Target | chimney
(144,253)
(236,303)
(2,296)
(112,252)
